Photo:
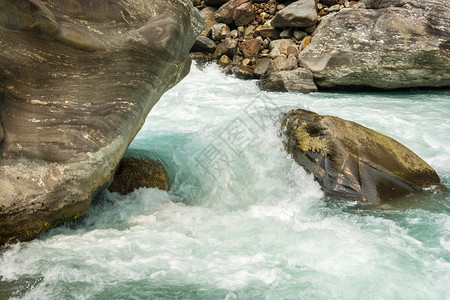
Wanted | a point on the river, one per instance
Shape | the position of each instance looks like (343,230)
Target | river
(243,220)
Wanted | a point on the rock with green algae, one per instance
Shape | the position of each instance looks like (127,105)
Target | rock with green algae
(77,80)
(138,171)
(351,161)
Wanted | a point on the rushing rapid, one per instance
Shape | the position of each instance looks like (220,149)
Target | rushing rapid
(243,220)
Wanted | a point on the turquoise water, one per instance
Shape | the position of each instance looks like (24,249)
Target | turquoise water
(242,220)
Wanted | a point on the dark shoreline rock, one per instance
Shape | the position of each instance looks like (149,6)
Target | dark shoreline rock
(139,169)
(352,161)
(77,82)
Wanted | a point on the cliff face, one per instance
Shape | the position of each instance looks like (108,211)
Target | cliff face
(77,79)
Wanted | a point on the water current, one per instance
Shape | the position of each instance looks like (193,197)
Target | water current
(243,220)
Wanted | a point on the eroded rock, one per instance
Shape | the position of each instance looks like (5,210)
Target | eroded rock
(77,79)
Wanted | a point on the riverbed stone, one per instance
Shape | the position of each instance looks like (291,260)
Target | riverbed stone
(219,31)
(244,14)
(300,13)
(299,80)
(225,13)
(250,48)
(352,161)
(266,31)
(208,13)
(76,84)
(395,44)
(203,44)
(281,44)
(227,47)
(261,66)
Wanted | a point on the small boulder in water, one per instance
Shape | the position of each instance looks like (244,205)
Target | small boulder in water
(139,171)
(352,161)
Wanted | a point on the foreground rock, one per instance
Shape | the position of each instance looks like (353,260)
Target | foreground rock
(352,161)
(77,79)
(138,170)
(397,44)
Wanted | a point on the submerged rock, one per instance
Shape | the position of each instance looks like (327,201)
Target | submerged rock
(77,79)
(397,44)
(352,161)
(137,171)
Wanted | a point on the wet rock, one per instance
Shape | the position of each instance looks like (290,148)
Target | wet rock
(199,57)
(300,13)
(77,83)
(352,161)
(243,72)
(392,47)
(224,61)
(203,44)
(244,14)
(219,31)
(227,47)
(225,13)
(139,172)
(250,48)
(299,80)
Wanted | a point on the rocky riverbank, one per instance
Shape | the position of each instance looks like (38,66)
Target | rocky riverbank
(300,46)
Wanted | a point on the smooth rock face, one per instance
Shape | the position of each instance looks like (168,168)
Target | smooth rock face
(299,80)
(77,79)
(352,161)
(139,171)
(301,13)
(406,44)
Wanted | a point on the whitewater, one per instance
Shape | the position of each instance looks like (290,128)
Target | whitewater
(242,219)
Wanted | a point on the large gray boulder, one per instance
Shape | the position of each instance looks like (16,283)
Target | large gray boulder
(352,161)
(396,44)
(77,79)
(302,13)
